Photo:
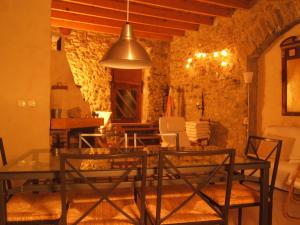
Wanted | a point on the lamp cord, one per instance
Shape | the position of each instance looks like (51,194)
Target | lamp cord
(127,18)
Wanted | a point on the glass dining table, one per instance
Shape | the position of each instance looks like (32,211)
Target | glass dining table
(44,164)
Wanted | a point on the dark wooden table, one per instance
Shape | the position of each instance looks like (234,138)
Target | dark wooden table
(44,164)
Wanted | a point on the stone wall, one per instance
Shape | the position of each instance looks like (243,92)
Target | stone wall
(84,51)
(245,35)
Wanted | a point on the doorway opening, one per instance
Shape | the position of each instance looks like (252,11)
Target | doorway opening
(126,96)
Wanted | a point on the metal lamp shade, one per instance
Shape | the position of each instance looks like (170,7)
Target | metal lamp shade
(126,53)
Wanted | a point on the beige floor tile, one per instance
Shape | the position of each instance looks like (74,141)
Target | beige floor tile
(250,215)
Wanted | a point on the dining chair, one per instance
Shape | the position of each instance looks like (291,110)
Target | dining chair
(293,195)
(246,193)
(100,187)
(30,208)
(177,196)
(101,140)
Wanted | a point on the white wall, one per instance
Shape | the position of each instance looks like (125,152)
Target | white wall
(25,74)
(71,97)
(269,86)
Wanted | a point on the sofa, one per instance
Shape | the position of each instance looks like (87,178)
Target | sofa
(290,151)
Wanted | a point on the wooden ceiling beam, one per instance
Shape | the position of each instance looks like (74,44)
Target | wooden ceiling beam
(148,10)
(241,4)
(113,23)
(105,29)
(189,6)
(117,15)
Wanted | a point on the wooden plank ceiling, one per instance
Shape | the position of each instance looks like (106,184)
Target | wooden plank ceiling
(151,19)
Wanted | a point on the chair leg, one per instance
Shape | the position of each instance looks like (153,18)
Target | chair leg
(240,212)
(270,215)
(288,201)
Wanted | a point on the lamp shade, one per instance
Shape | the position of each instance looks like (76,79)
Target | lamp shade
(126,53)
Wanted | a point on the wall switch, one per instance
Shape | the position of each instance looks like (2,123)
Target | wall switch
(31,103)
(21,103)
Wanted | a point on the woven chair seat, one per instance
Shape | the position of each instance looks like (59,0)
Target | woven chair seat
(240,194)
(168,191)
(172,195)
(195,210)
(34,207)
(104,213)
(90,196)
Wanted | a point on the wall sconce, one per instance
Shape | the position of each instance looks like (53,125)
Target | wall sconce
(220,58)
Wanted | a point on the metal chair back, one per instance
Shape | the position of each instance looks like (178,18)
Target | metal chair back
(4,162)
(102,140)
(210,166)
(265,149)
(121,168)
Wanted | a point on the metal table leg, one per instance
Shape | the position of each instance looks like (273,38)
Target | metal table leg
(2,203)
(264,195)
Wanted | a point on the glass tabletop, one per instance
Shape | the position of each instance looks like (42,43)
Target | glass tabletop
(45,160)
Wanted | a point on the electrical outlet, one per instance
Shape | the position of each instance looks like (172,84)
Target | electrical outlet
(21,103)
(31,103)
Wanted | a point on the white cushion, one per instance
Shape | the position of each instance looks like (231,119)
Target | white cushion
(284,169)
(287,146)
(289,132)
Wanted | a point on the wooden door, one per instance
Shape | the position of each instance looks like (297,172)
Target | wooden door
(126,95)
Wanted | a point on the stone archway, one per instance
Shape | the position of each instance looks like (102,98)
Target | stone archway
(252,65)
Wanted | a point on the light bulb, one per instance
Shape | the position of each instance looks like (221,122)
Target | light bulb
(187,66)
(190,60)
(216,54)
(224,53)
(224,63)
(198,54)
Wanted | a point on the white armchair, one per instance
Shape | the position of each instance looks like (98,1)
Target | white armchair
(290,154)
(173,125)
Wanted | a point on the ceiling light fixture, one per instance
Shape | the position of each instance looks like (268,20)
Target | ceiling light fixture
(126,53)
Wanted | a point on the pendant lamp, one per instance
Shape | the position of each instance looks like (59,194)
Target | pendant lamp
(126,53)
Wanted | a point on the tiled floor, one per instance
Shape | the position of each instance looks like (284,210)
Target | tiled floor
(250,215)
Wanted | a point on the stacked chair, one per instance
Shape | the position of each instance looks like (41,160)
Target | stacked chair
(176,197)
(30,208)
(105,195)
(198,131)
(246,193)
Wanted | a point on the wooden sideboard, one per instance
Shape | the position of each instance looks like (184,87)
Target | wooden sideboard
(63,129)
